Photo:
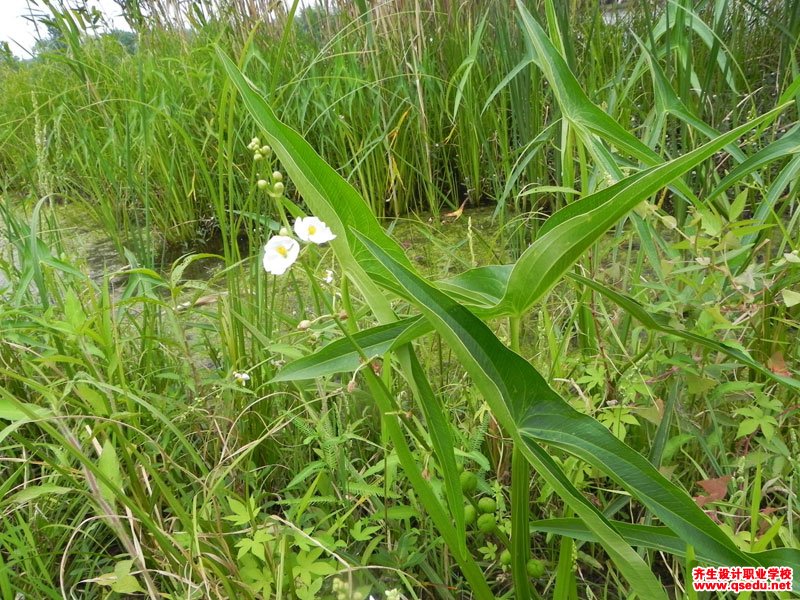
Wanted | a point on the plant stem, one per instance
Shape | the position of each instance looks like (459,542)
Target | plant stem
(520,498)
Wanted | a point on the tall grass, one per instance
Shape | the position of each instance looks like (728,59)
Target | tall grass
(409,101)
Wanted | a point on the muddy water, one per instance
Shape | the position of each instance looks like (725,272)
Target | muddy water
(86,246)
(437,246)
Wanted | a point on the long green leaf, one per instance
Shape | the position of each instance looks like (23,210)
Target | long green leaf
(662,539)
(532,412)
(661,323)
(570,231)
(788,145)
(667,101)
(336,202)
(573,101)
(329,196)
(339,356)
(510,385)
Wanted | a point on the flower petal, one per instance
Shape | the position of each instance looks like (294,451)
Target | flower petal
(280,253)
(301,228)
(312,229)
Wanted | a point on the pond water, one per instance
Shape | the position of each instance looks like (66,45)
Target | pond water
(437,246)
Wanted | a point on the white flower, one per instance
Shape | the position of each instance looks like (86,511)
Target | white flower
(311,229)
(279,254)
(328,276)
(242,378)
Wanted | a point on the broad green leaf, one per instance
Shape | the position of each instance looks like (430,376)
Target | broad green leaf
(481,288)
(644,536)
(573,101)
(573,229)
(787,145)
(791,298)
(13,410)
(662,539)
(339,356)
(121,580)
(668,102)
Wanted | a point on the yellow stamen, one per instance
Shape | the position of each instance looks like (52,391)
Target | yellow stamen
(282,251)
(312,230)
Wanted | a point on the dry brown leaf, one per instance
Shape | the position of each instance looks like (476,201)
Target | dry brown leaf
(777,364)
(458,212)
(716,489)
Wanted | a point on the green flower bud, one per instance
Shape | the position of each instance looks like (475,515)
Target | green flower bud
(505,557)
(277,176)
(257,156)
(535,568)
(265,150)
(262,184)
(278,188)
(470,514)
(487,523)
(469,481)
(487,505)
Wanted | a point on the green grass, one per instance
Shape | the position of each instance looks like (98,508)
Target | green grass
(653,298)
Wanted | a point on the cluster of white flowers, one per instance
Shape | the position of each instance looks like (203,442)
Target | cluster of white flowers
(281,250)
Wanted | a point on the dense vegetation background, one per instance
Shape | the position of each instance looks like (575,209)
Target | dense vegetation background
(176,423)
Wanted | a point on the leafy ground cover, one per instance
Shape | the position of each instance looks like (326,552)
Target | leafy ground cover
(579,383)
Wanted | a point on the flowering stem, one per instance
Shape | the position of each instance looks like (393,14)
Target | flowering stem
(348,305)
